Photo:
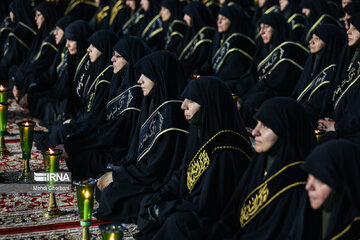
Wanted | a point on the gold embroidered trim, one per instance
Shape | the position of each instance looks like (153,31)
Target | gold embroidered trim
(102,14)
(41,48)
(318,22)
(149,25)
(251,207)
(74,3)
(232,147)
(154,112)
(126,24)
(115,9)
(346,229)
(294,16)
(269,10)
(194,38)
(156,32)
(19,40)
(27,27)
(80,64)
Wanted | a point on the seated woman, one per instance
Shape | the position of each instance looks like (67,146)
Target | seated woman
(319,70)
(333,169)
(292,12)
(158,146)
(111,139)
(196,47)
(132,25)
(120,13)
(217,154)
(233,49)
(263,7)
(174,27)
(344,95)
(277,64)
(150,28)
(269,195)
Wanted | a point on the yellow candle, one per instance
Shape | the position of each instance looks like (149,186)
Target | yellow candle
(112,236)
(86,206)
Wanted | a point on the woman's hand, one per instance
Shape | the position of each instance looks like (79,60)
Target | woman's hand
(105,180)
(326,124)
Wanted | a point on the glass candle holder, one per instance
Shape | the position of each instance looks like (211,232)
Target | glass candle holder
(319,134)
(51,162)
(26,141)
(85,202)
(111,231)
(3,125)
(3,94)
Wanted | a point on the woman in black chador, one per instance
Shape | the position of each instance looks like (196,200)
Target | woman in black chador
(277,64)
(41,54)
(333,188)
(319,70)
(111,139)
(158,146)
(150,29)
(217,154)
(263,7)
(174,27)
(344,92)
(196,47)
(292,12)
(119,14)
(233,49)
(19,39)
(81,9)
(316,13)
(132,25)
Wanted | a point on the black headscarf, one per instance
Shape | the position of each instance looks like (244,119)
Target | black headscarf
(23,12)
(132,49)
(292,7)
(154,9)
(175,7)
(336,163)
(239,21)
(79,31)
(64,22)
(200,15)
(355,21)
(281,27)
(317,8)
(352,8)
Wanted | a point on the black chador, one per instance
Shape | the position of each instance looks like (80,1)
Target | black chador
(49,83)
(270,194)
(319,14)
(213,6)
(158,146)
(119,14)
(19,39)
(150,29)
(217,154)
(276,67)
(233,50)
(94,95)
(111,139)
(319,72)
(101,18)
(132,25)
(267,7)
(41,53)
(175,27)
(295,18)
(341,158)
(82,9)
(198,40)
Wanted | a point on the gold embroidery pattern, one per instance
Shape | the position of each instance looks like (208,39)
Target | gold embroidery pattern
(253,205)
(102,14)
(196,169)
(346,229)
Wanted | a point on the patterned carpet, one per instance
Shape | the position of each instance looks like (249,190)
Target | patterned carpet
(21,213)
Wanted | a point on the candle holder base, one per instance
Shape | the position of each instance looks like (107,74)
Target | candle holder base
(26,175)
(85,233)
(52,209)
(3,150)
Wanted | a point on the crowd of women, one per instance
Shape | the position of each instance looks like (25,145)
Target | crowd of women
(198,118)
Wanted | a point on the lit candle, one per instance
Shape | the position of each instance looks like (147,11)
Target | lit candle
(112,236)
(26,137)
(3,118)
(86,205)
(3,94)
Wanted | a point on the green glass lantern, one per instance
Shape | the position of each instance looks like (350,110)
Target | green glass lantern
(51,161)
(85,202)
(111,231)
(3,124)
(3,94)
(26,141)
(319,134)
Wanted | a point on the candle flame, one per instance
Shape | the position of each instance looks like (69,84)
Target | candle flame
(87,194)
(317,131)
(27,124)
(51,151)
(112,237)
(2,88)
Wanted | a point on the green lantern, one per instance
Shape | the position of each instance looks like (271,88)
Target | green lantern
(3,124)
(85,202)
(111,231)
(3,94)
(51,161)
(26,141)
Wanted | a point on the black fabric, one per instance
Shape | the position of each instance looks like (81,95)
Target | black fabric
(269,6)
(314,98)
(23,12)
(120,13)
(212,190)
(81,9)
(133,179)
(232,51)
(355,20)
(336,163)
(132,25)
(289,121)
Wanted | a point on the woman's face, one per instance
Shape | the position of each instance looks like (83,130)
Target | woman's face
(118,62)
(59,34)
(165,14)
(190,108)
(11,14)
(353,35)
(265,138)
(223,24)
(318,191)
(261,3)
(145,4)
(187,19)
(283,4)
(94,53)
(345,2)
(131,4)
(71,46)
(316,44)
(146,84)
(266,32)
(39,19)
(306,11)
